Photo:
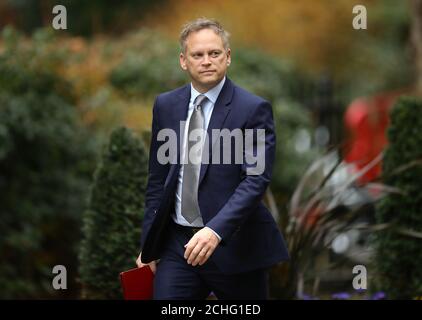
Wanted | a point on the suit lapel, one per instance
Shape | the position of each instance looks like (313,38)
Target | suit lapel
(179,113)
(219,114)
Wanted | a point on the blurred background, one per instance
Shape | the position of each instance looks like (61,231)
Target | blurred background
(75,117)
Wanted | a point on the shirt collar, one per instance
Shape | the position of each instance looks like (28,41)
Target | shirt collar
(212,94)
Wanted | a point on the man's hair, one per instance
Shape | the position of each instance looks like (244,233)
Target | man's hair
(203,23)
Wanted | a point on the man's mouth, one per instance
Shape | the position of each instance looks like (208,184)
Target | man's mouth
(208,71)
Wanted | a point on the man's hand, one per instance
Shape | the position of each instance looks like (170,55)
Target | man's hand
(152,265)
(201,246)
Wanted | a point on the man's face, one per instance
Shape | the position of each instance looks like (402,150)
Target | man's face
(205,59)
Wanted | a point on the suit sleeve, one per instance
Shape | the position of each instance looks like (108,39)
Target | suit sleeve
(251,189)
(157,174)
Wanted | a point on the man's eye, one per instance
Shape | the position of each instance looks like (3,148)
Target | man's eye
(215,54)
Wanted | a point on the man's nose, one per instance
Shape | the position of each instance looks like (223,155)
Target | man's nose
(206,60)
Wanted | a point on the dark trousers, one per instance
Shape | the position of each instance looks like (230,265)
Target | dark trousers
(176,279)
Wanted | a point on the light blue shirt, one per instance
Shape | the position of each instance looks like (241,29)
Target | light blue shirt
(207,109)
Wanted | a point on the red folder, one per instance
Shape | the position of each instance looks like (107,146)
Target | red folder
(137,283)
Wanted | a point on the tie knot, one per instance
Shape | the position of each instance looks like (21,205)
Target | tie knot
(199,100)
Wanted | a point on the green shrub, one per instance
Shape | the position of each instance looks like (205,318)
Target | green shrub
(399,255)
(266,75)
(85,18)
(46,160)
(112,222)
(150,66)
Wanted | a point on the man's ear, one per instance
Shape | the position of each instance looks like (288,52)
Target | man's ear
(182,61)
(229,57)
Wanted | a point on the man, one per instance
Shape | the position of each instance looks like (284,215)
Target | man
(205,228)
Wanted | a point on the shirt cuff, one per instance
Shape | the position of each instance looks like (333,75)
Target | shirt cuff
(216,234)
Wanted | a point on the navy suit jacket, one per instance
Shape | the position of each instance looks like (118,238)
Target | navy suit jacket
(230,200)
